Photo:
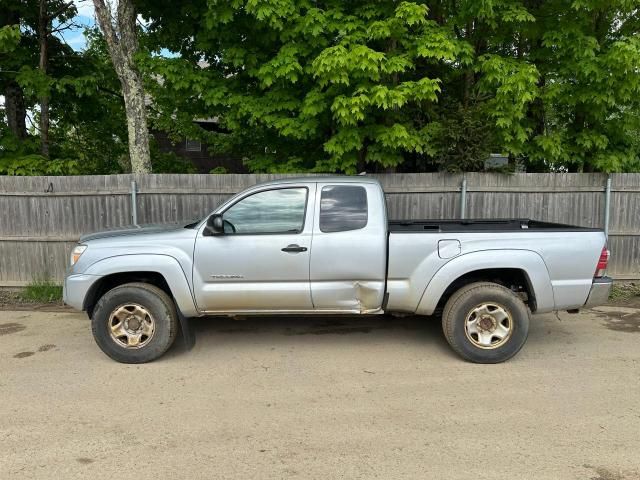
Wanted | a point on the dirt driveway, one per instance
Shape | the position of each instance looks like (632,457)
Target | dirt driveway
(321,398)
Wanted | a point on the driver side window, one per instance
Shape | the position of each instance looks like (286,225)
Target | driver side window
(272,211)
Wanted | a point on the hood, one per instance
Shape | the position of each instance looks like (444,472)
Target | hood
(134,230)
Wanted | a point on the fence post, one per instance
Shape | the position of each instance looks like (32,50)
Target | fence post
(463,199)
(607,205)
(134,203)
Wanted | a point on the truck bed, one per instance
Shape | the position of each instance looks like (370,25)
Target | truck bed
(563,257)
(480,225)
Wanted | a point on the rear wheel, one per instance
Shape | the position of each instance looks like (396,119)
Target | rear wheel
(134,323)
(485,322)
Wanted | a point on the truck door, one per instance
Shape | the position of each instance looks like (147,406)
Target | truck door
(348,258)
(261,263)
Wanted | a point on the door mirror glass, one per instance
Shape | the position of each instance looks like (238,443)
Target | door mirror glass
(215,225)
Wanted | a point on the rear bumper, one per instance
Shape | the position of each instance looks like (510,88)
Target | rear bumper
(599,293)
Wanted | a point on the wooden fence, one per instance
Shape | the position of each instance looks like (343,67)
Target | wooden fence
(41,218)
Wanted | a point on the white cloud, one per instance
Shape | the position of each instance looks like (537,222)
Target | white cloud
(85,8)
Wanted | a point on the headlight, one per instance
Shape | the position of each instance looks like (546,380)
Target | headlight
(76,252)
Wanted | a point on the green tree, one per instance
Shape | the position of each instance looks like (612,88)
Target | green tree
(346,86)
(342,86)
(14,52)
(591,88)
(85,106)
(564,86)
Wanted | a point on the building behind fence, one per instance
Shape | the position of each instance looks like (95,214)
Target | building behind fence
(41,218)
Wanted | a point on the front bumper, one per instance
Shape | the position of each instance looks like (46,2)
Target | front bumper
(599,293)
(75,289)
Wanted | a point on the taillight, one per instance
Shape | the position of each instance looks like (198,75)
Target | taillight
(601,267)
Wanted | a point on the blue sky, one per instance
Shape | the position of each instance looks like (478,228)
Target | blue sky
(85,18)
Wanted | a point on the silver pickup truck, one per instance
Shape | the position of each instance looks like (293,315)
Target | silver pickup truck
(324,245)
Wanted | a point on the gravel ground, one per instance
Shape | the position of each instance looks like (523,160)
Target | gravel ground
(321,398)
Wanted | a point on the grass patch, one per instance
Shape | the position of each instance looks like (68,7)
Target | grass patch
(44,291)
(625,291)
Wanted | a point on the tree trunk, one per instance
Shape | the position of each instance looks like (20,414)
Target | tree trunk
(15,109)
(577,126)
(468,71)
(361,163)
(137,130)
(122,43)
(537,110)
(43,38)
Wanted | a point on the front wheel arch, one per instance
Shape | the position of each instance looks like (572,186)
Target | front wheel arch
(109,282)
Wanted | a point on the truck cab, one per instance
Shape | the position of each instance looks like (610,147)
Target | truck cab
(298,246)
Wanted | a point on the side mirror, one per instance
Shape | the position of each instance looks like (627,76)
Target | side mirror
(215,225)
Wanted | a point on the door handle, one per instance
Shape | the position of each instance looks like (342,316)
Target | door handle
(293,248)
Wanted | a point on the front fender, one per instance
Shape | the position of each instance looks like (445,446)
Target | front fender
(165,265)
(530,262)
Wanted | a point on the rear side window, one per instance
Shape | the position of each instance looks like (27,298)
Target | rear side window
(343,208)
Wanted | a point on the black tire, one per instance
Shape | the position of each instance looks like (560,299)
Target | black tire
(462,304)
(161,309)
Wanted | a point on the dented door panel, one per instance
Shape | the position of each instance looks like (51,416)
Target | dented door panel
(348,268)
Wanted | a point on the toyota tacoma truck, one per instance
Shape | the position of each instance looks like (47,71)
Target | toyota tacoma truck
(324,245)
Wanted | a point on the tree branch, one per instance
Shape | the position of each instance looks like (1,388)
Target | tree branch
(60,10)
(65,26)
(103,15)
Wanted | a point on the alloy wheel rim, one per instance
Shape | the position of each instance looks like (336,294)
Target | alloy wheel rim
(488,325)
(131,326)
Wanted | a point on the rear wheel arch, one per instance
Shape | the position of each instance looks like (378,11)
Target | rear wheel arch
(523,269)
(515,279)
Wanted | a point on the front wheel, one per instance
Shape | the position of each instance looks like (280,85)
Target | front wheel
(134,323)
(485,322)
